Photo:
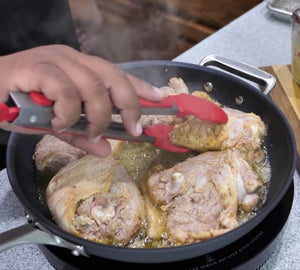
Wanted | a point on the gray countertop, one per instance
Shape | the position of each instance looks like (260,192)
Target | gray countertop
(255,38)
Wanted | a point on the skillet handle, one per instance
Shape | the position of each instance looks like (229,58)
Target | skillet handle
(246,71)
(28,234)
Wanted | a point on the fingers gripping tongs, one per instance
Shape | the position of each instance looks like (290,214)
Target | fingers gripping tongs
(34,111)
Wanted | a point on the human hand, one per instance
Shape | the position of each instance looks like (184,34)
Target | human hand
(70,78)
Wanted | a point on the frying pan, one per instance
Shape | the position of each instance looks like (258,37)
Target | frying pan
(279,143)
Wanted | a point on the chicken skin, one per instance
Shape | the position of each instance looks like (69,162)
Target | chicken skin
(201,196)
(51,154)
(95,198)
(243,131)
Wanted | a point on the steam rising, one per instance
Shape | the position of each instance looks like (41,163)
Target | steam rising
(141,34)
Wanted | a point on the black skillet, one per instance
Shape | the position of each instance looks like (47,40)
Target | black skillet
(280,145)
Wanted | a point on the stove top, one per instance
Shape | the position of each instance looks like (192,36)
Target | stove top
(248,252)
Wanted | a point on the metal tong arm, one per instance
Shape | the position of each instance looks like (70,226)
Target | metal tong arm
(36,110)
(180,105)
(117,131)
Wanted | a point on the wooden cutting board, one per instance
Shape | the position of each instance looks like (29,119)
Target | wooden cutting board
(286,95)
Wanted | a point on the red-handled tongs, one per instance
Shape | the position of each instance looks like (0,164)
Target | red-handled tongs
(34,111)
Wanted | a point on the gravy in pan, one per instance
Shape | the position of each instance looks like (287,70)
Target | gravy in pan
(142,159)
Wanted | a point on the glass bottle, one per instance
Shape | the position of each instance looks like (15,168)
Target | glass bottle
(295,25)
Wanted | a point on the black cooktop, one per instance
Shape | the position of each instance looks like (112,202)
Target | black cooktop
(247,253)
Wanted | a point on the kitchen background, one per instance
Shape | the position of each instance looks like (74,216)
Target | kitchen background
(160,29)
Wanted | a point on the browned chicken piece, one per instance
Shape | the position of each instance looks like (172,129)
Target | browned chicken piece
(177,86)
(201,196)
(206,96)
(95,198)
(243,131)
(246,132)
(51,154)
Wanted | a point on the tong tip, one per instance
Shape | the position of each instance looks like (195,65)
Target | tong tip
(161,133)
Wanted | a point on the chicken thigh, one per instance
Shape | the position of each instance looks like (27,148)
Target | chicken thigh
(201,196)
(243,131)
(95,198)
(51,154)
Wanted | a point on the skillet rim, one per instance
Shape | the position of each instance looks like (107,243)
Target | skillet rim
(190,249)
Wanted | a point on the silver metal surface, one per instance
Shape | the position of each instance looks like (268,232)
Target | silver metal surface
(28,234)
(118,132)
(282,9)
(266,80)
(153,111)
(31,115)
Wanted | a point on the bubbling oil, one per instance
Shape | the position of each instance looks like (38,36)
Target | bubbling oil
(143,159)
